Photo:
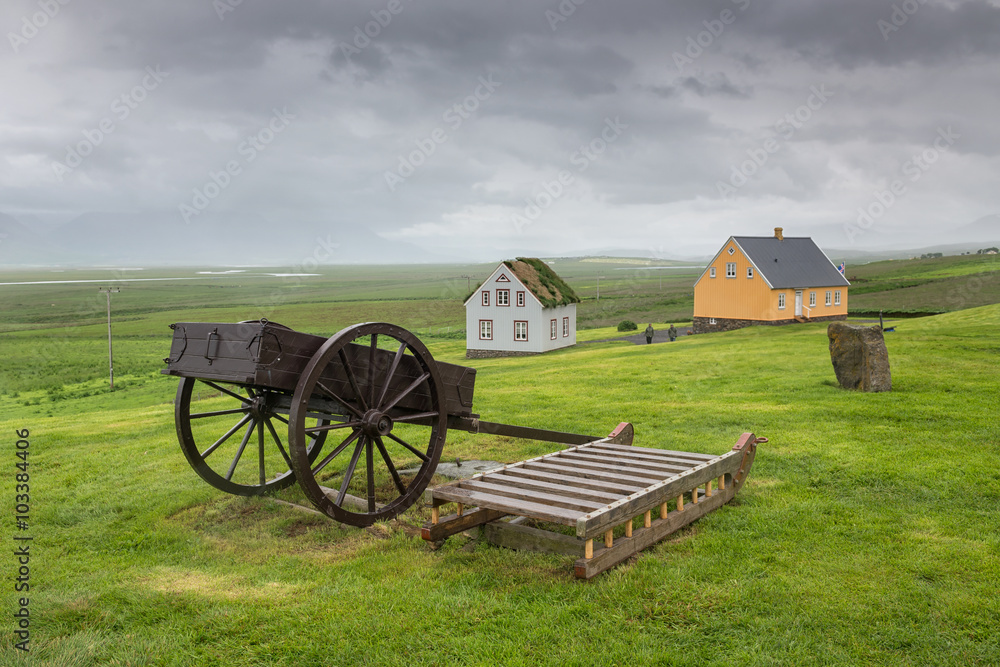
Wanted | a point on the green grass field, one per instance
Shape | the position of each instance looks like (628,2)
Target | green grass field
(866,534)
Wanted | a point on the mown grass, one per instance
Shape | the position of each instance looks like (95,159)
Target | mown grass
(865,535)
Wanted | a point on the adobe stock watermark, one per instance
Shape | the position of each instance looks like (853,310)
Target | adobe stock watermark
(121,108)
(785,128)
(913,169)
(582,158)
(564,10)
(454,116)
(714,28)
(899,17)
(248,149)
(33,23)
(363,35)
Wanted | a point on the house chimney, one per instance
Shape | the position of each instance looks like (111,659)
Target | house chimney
(778,235)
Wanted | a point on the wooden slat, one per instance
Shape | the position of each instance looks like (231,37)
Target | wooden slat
(574,471)
(454,524)
(640,454)
(526,538)
(663,452)
(663,470)
(509,505)
(649,475)
(532,495)
(578,482)
(549,487)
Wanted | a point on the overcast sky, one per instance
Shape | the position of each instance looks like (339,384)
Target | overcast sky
(565,127)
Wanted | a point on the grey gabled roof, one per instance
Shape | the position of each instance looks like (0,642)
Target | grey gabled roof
(792,262)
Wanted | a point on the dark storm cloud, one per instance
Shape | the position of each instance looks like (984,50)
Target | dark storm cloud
(476,108)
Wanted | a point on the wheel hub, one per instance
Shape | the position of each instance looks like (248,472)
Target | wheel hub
(376,424)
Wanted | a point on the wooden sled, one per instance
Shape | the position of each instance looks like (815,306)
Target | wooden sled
(594,488)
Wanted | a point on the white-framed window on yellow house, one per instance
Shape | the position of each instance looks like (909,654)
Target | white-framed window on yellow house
(730,269)
(749,272)
(836,298)
(829,298)
(812,299)
(711,320)
(781,302)
(711,272)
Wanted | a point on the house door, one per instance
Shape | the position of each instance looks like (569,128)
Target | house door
(798,303)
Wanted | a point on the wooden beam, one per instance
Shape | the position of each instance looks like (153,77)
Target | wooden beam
(525,538)
(454,524)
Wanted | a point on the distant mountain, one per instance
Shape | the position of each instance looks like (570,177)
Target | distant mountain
(985,230)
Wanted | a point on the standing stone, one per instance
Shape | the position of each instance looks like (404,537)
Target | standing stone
(859,357)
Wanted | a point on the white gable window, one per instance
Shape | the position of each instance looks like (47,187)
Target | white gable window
(711,272)
(812,299)
(503,297)
(829,297)
(486,297)
(520,330)
(749,272)
(565,327)
(730,269)
(836,298)
(520,299)
(781,302)
(485,329)
(552,329)
(731,251)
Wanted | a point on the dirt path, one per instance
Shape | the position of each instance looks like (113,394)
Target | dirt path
(659,336)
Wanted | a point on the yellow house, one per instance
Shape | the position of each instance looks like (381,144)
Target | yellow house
(768,280)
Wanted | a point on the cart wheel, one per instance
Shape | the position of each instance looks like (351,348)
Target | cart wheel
(209,437)
(389,386)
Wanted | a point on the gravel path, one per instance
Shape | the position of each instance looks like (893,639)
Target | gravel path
(659,336)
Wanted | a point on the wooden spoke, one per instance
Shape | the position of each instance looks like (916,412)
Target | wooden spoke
(239,452)
(417,452)
(277,441)
(371,367)
(392,468)
(335,453)
(205,454)
(260,451)
(392,372)
(410,418)
(349,473)
(329,392)
(353,380)
(242,399)
(331,427)
(370,474)
(219,413)
(406,392)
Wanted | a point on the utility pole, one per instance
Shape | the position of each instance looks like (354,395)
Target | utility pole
(111,364)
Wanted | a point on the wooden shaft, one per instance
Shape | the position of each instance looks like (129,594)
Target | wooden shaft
(609,539)
(435,516)
(628,528)
(647,519)
(708,489)
(722,482)
(588,549)
(460,510)
(663,511)
(680,503)
(694,495)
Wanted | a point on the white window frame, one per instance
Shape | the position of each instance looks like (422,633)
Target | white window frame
(836,298)
(829,298)
(503,297)
(749,272)
(711,272)
(565,327)
(711,320)
(731,251)
(730,269)
(520,330)
(486,297)
(485,329)
(553,329)
(812,299)
(781,301)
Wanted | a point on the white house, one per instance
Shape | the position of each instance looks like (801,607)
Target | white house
(522,308)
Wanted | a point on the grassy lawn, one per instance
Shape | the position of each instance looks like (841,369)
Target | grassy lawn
(866,534)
